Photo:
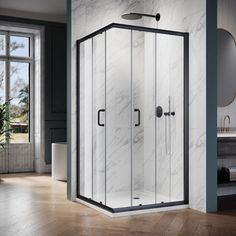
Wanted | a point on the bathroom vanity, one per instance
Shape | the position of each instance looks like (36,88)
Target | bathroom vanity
(226,158)
(226,144)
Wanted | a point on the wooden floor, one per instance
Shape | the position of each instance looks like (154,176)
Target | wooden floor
(35,205)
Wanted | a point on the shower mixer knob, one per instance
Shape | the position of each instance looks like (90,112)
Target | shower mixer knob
(172,113)
(159,111)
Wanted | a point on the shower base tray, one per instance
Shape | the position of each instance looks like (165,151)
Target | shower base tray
(133,212)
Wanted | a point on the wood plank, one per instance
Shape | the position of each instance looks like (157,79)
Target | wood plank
(32,204)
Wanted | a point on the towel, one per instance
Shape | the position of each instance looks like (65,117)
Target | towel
(232,173)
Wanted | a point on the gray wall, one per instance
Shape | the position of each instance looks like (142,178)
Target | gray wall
(211,106)
(55,87)
(227,15)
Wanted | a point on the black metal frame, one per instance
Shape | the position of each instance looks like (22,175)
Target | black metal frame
(186,117)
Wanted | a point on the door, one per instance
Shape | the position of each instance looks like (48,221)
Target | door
(170,126)
(157,141)
(118,118)
(92,162)
(143,120)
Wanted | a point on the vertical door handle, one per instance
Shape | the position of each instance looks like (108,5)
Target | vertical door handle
(139,116)
(99,122)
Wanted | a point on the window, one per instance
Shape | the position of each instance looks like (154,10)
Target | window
(16,65)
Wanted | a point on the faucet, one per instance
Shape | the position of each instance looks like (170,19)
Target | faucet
(224,127)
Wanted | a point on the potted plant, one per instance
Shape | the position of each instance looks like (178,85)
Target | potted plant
(4,125)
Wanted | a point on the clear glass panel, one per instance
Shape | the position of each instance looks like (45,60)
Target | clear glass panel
(143,89)
(2,44)
(86,117)
(19,107)
(19,46)
(99,114)
(170,129)
(2,81)
(118,118)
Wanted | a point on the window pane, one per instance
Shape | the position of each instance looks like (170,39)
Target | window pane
(2,44)
(19,108)
(19,46)
(2,81)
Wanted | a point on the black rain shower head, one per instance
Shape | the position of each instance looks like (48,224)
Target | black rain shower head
(136,16)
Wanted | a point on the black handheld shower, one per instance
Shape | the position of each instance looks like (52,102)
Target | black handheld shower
(136,16)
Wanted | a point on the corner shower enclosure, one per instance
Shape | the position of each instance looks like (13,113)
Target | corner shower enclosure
(132,118)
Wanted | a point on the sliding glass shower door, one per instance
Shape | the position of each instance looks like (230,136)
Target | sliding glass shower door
(143,116)
(170,127)
(118,118)
(132,117)
(92,166)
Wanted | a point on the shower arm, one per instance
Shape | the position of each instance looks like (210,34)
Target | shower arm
(142,14)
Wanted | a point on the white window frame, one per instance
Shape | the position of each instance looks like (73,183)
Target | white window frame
(8,59)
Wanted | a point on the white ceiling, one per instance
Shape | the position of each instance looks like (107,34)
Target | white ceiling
(50,10)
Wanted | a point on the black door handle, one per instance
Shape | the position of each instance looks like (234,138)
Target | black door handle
(99,111)
(139,116)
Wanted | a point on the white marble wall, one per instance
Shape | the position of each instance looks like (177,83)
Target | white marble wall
(190,16)
(181,15)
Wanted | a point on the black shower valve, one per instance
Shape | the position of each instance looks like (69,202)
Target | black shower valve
(159,111)
(172,113)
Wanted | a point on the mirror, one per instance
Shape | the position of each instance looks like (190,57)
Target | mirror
(226,68)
